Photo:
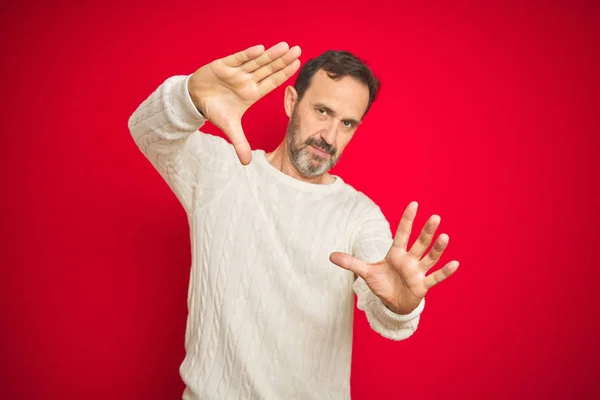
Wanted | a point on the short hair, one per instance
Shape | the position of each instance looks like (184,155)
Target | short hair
(337,64)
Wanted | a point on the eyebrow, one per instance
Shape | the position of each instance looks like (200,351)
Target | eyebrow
(330,111)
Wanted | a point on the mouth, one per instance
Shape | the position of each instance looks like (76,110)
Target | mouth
(320,151)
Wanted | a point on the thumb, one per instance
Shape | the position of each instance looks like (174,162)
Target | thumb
(350,263)
(236,135)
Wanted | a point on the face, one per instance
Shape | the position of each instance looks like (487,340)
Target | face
(323,122)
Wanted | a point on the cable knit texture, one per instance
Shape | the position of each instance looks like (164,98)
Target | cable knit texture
(269,316)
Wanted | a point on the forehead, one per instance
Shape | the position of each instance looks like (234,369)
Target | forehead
(346,96)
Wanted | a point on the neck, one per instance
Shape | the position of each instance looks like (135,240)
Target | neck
(280,159)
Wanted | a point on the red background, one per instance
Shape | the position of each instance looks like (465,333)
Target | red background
(488,116)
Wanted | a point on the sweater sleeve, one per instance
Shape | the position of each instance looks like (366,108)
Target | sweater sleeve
(371,243)
(165,128)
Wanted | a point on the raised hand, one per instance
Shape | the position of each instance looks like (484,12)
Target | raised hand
(399,280)
(224,89)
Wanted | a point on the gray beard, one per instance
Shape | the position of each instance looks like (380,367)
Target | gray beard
(304,160)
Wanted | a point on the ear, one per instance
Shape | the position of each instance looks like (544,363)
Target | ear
(289,100)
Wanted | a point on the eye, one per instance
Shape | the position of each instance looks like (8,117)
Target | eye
(348,124)
(321,111)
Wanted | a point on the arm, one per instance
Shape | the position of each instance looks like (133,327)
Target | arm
(371,243)
(393,272)
(165,128)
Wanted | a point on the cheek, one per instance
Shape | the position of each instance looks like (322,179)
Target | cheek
(308,126)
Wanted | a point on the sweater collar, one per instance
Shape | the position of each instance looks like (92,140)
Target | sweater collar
(264,164)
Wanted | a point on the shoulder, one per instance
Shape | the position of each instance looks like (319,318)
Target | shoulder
(362,206)
(363,201)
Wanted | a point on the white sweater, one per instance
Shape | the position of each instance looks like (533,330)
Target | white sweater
(269,316)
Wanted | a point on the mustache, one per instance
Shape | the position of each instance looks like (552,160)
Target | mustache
(322,144)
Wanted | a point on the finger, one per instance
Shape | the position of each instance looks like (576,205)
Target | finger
(267,57)
(289,57)
(435,253)
(238,139)
(350,263)
(424,239)
(405,226)
(272,81)
(433,279)
(239,58)
(244,152)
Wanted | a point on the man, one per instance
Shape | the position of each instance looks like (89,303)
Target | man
(270,313)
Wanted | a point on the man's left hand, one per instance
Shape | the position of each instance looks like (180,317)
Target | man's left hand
(399,280)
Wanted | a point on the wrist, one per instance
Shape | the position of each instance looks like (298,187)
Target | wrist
(399,310)
(196,100)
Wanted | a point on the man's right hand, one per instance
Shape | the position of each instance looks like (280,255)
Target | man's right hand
(224,89)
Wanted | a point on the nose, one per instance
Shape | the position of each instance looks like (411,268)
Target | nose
(330,132)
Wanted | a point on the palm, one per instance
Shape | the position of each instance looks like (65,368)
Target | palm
(391,283)
(235,82)
(224,89)
(400,279)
